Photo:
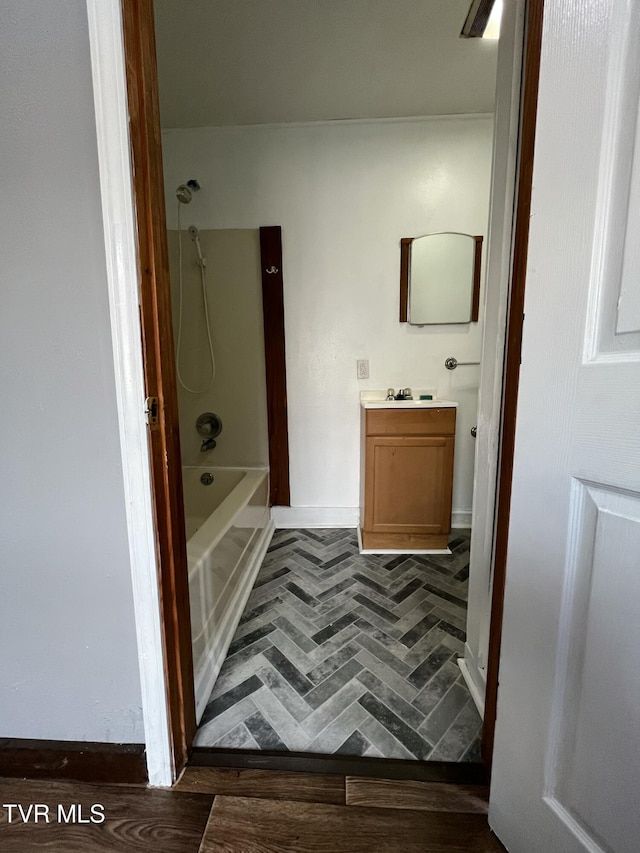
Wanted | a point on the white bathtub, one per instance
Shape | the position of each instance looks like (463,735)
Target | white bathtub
(228,531)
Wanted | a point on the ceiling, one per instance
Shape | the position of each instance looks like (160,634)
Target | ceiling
(227,62)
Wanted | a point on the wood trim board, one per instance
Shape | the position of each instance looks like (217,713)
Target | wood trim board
(104,18)
(275,363)
(81,761)
(477,263)
(461,773)
(405,266)
(159,367)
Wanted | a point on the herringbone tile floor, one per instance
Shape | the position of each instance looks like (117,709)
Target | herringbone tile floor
(339,652)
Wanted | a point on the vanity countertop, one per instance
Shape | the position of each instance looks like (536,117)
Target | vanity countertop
(377,400)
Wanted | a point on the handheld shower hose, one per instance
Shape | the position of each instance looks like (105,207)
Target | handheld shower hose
(202,263)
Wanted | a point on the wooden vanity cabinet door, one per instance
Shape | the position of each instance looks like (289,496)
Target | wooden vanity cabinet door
(408,483)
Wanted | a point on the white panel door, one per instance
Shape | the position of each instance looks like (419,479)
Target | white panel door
(566,773)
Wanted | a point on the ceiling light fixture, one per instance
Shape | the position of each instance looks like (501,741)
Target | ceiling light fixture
(483,20)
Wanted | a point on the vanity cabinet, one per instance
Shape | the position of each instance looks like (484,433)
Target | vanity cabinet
(407,478)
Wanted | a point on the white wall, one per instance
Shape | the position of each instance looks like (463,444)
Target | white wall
(68,668)
(344,194)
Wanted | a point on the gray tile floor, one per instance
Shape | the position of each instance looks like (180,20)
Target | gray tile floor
(353,654)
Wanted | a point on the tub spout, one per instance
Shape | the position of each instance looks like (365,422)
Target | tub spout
(207,444)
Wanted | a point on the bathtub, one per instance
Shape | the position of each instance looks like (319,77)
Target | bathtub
(228,528)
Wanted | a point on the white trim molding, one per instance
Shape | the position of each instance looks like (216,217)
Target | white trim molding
(315,516)
(475,678)
(334,122)
(112,122)
(496,295)
(461,518)
(339,516)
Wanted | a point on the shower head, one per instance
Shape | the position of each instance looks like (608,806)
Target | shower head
(185,192)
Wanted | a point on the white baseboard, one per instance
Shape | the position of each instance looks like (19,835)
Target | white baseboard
(475,680)
(339,516)
(315,516)
(461,518)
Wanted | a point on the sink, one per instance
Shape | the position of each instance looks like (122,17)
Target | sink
(377,400)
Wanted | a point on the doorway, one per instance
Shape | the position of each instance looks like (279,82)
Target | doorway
(283,535)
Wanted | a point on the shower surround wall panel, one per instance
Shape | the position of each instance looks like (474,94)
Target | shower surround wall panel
(238,393)
(227,522)
(344,194)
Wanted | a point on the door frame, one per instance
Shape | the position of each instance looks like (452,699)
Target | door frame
(106,45)
(160,372)
(172,727)
(534,15)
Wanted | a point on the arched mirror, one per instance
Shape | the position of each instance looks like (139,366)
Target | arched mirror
(440,279)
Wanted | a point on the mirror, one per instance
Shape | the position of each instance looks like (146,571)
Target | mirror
(440,279)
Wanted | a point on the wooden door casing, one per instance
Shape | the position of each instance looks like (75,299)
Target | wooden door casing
(141,32)
(159,368)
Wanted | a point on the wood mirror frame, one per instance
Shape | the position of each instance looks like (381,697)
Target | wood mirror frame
(405,264)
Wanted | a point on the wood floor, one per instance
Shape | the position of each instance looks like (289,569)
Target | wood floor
(250,811)
(136,819)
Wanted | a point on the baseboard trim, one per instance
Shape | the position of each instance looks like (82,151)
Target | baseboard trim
(315,516)
(338,516)
(461,773)
(475,681)
(77,760)
(461,518)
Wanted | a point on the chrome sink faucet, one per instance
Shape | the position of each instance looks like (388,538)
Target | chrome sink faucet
(403,394)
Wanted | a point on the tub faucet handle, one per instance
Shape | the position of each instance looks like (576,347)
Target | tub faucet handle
(209,425)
